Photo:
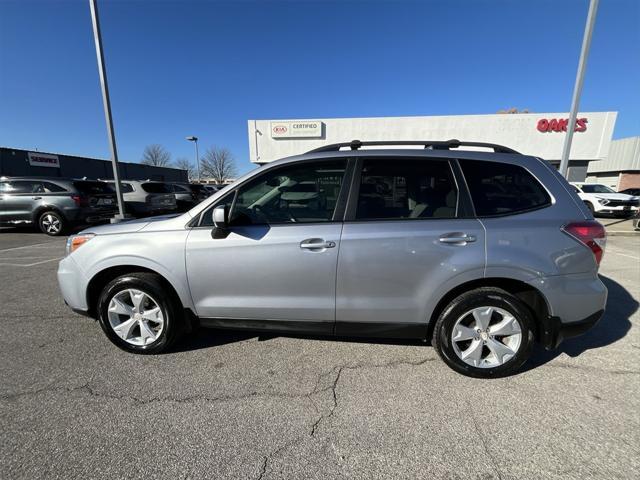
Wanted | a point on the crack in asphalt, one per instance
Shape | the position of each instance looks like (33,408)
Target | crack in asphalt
(485,447)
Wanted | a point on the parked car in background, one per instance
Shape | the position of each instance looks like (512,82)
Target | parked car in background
(145,198)
(54,204)
(188,194)
(631,191)
(211,189)
(481,253)
(602,200)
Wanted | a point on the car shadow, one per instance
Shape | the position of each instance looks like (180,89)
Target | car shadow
(613,326)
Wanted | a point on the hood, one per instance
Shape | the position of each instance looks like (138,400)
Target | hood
(129,226)
(615,196)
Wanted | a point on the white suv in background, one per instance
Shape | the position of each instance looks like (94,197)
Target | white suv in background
(601,199)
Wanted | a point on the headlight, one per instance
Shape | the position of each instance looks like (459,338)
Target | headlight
(603,201)
(74,242)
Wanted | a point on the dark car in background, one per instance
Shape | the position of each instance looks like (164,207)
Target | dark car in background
(54,204)
(188,194)
(631,191)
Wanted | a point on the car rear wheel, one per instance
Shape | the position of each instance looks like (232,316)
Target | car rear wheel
(52,223)
(485,333)
(139,314)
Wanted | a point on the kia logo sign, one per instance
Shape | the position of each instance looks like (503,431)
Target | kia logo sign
(280,129)
(560,125)
(296,129)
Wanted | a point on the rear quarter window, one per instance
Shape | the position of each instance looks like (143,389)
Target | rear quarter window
(502,189)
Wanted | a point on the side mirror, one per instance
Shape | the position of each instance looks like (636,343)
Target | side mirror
(220,217)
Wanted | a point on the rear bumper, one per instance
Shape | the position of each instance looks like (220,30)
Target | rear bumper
(554,331)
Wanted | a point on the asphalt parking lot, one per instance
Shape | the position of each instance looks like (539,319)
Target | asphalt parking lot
(238,405)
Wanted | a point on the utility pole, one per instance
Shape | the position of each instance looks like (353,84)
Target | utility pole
(577,89)
(93,4)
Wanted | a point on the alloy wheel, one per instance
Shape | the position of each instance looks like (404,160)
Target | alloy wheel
(486,337)
(51,223)
(135,317)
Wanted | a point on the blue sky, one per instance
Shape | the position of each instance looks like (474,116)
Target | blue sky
(203,68)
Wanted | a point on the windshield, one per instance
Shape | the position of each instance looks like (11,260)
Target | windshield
(596,189)
(152,187)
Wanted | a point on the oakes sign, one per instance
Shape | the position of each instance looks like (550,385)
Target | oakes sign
(560,125)
(306,129)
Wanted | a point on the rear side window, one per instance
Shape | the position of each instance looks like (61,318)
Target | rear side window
(156,188)
(52,187)
(406,189)
(92,188)
(502,189)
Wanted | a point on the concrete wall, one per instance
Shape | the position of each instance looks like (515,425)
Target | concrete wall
(518,131)
(15,162)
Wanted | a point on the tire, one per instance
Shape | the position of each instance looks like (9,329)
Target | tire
(591,208)
(494,359)
(52,223)
(160,335)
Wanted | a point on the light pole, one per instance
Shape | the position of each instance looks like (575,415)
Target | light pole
(195,140)
(577,89)
(93,4)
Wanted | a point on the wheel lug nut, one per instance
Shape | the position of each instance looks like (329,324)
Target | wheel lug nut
(478,330)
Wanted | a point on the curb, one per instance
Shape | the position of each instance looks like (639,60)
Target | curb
(622,233)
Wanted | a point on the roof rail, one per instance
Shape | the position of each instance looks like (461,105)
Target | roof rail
(435,145)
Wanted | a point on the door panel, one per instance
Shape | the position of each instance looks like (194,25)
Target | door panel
(261,272)
(395,271)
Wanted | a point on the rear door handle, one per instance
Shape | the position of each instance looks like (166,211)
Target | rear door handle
(36,198)
(316,244)
(457,238)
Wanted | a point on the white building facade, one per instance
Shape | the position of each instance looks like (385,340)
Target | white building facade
(538,134)
(621,169)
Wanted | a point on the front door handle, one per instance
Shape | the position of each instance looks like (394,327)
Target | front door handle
(36,198)
(316,244)
(457,238)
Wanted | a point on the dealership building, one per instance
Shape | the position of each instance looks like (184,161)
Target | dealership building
(538,134)
(621,169)
(22,163)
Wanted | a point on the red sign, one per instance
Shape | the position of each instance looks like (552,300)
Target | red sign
(279,129)
(560,125)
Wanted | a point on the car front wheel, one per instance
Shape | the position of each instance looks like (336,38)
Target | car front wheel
(485,333)
(139,314)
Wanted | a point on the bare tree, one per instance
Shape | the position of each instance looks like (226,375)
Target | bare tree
(156,155)
(218,164)
(514,110)
(183,163)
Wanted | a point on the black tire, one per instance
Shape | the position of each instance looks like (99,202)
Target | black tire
(481,297)
(590,207)
(52,223)
(156,288)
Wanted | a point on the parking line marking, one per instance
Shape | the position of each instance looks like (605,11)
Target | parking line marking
(30,264)
(622,254)
(30,246)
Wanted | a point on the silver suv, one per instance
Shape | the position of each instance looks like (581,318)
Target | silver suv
(482,253)
(144,198)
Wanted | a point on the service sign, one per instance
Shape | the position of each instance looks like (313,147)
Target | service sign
(43,160)
(306,129)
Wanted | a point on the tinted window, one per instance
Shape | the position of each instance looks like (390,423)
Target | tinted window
(406,189)
(52,187)
(126,187)
(21,186)
(92,188)
(596,189)
(302,193)
(180,189)
(156,188)
(501,188)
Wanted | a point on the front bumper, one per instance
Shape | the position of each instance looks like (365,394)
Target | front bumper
(554,331)
(72,284)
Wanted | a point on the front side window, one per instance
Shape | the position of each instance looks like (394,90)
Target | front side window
(406,189)
(502,189)
(301,193)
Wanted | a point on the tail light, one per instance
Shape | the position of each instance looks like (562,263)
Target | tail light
(80,200)
(590,233)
